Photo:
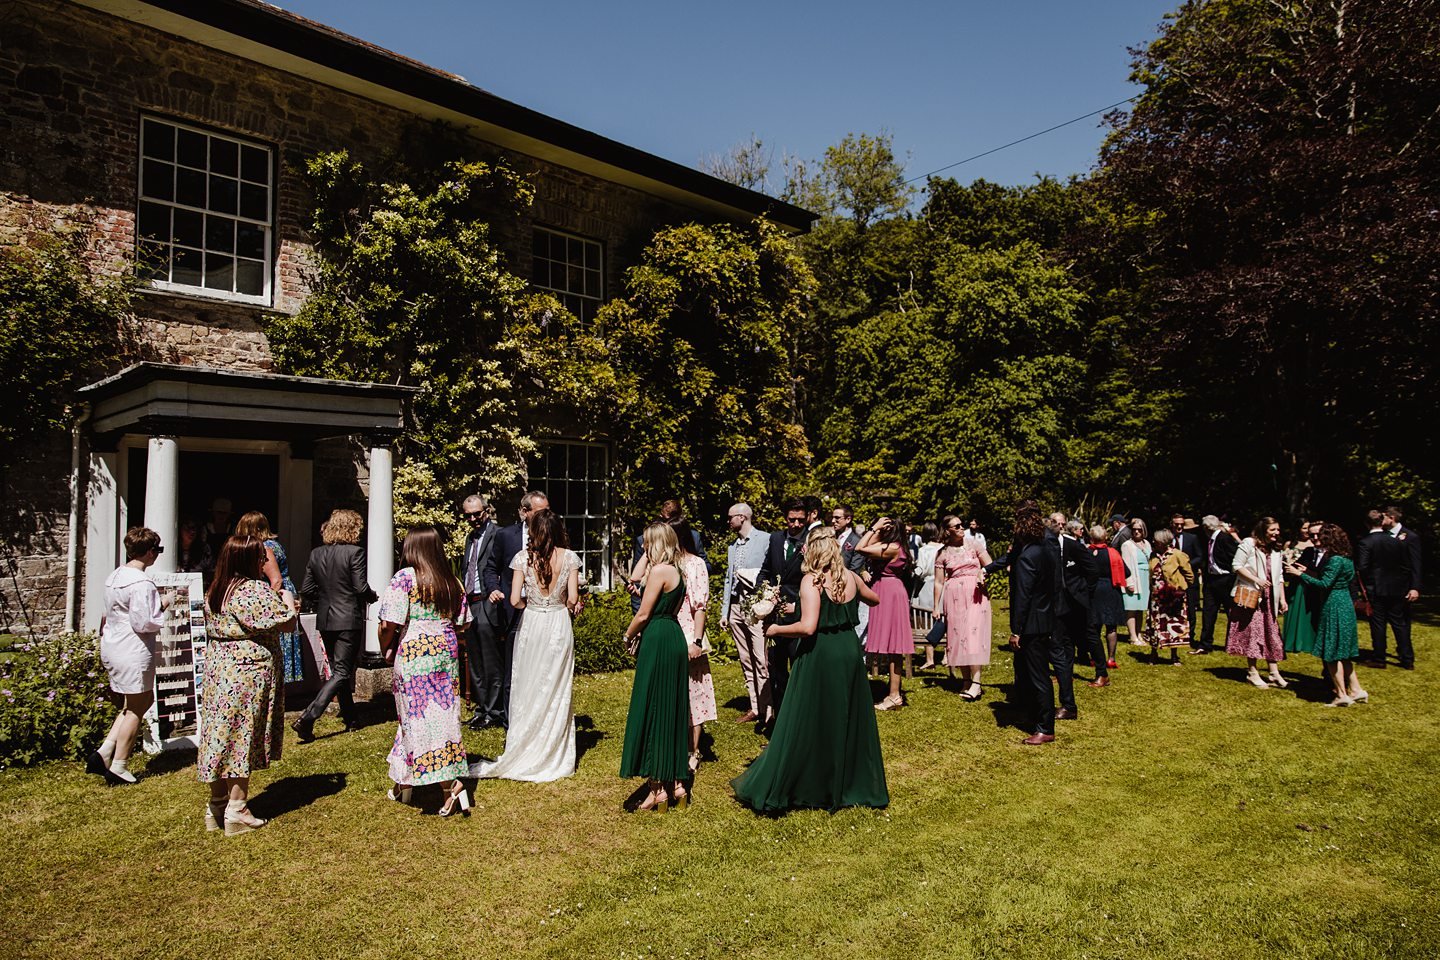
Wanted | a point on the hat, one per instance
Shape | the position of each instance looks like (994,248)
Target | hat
(1117,518)
(1189,524)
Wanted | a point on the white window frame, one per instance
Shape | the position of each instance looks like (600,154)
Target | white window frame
(560,292)
(545,483)
(266,296)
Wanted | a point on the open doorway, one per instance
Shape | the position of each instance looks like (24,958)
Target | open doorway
(250,481)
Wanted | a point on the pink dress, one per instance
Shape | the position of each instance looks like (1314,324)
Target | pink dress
(697,595)
(967,609)
(889,631)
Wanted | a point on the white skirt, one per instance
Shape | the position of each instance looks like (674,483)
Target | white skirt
(130,661)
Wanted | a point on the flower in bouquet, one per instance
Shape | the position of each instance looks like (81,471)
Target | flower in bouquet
(1291,556)
(763,602)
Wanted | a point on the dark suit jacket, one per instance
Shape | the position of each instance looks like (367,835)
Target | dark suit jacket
(497,573)
(1123,534)
(1078,576)
(787,573)
(854,561)
(1192,547)
(335,586)
(487,535)
(1225,547)
(1389,566)
(1034,582)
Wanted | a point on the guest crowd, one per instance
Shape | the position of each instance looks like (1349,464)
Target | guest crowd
(810,608)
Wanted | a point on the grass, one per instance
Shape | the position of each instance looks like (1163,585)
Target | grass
(1185,814)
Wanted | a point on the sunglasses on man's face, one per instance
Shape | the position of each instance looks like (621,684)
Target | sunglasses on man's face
(475,516)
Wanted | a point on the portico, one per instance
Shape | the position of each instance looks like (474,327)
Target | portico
(151,423)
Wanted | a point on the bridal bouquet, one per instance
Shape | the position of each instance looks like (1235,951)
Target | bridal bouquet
(762,603)
(1291,556)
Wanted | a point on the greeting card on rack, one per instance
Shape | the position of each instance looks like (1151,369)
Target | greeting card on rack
(173,721)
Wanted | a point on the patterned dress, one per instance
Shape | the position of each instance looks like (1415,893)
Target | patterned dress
(697,595)
(1168,625)
(289,640)
(966,606)
(426,682)
(242,695)
(1335,633)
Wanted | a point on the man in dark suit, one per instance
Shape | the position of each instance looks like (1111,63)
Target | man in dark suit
(1389,562)
(1123,533)
(498,579)
(1189,544)
(784,565)
(1078,573)
(336,588)
(480,635)
(1034,588)
(1217,566)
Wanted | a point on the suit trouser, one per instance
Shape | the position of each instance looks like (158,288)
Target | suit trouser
(1217,596)
(1070,629)
(1393,612)
(343,648)
(1192,610)
(1032,681)
(474,664)
(493,647)
(781,651)
(750,648)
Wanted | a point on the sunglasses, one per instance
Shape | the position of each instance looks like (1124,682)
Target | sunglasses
(475,516)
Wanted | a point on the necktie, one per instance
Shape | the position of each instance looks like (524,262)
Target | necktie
(789,548)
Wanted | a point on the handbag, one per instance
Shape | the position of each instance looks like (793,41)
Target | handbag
(1246,597)
(1363,607)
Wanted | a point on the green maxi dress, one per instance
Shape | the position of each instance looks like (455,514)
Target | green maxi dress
(825,751)
(1337,636)
(1302,619)
(657,728)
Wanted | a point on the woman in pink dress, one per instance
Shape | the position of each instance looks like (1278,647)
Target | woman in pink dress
(960,592)
(889,636)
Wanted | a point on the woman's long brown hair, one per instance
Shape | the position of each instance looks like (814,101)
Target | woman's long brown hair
(241,558)
(547,534)
(434,583)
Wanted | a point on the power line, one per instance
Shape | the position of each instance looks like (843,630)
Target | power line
(1023,139)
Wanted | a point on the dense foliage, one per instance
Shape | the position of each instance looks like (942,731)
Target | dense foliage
(60,326)
(54,702)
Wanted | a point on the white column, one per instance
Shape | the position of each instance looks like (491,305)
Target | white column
(379,539)
(162,498)
(101,548)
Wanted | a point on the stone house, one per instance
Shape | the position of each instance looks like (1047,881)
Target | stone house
(172,127)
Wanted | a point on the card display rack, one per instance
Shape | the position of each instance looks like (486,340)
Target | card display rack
(173,721)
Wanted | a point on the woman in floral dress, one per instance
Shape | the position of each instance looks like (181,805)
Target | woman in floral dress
(242,692)
(1168,626)
(423,606)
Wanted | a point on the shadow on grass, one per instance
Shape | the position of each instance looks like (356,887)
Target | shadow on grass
(168,761)
(289,794)
(1008,714)
(586,736)
(740,703)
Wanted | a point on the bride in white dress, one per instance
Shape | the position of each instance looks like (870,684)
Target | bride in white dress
(540,744)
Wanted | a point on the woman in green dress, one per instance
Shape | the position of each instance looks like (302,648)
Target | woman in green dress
(825,752)
(657,729)
(1303,617)
(1337,641)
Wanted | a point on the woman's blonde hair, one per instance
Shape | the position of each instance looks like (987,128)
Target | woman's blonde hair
(254,524)
(344,526)
(1138,529)
(661,545)
(824,560)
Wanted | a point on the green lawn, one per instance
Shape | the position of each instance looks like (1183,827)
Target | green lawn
(1185,814)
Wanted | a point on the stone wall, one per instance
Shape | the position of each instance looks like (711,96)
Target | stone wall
(73,85)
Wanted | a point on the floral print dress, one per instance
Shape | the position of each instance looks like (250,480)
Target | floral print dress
(242,687)
(426,682)
(290,639)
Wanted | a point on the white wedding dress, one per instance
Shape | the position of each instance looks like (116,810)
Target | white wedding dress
(540,744)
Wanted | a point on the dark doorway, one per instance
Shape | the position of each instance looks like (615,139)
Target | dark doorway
(251,481)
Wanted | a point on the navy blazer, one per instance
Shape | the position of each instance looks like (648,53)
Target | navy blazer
(788,574)
(496,569)
(1034,577)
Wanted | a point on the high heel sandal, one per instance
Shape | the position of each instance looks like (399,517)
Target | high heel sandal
(399,794)
(892,702)
(215,815)
(1256,680)
(1279,681)
(972,692)
(658,800)
(457,793)
(1362,696)
(239,819)
(681,800)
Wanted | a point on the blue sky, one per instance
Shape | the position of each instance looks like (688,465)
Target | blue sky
(686,80)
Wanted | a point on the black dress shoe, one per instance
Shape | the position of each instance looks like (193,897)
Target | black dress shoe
(304,729)
(477,722)
(1064,714)
(1407,666)
(1373,664)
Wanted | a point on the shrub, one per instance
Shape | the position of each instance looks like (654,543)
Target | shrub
(597,632)
(54,700)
